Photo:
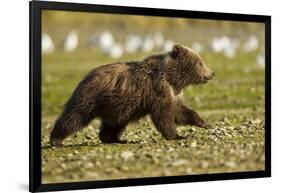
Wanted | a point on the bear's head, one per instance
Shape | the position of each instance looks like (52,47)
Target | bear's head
(190,65)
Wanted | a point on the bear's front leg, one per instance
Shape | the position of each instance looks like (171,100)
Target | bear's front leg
(163,118)
(186,116)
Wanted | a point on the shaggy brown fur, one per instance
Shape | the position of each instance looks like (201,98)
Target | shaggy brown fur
(124,92)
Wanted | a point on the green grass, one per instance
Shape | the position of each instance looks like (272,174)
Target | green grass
(233,103)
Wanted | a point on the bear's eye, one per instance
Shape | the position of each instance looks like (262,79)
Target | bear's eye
(200,64)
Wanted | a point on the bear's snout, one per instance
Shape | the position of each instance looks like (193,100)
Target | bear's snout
(209,76)
(213,74)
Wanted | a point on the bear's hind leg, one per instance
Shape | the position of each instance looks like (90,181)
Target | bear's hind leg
(66,125)
(111,133)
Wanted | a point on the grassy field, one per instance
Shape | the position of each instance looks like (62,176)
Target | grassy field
(233,103)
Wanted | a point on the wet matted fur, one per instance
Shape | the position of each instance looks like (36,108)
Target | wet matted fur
(120,93)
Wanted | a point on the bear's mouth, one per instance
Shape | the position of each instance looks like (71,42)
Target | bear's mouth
(205,79)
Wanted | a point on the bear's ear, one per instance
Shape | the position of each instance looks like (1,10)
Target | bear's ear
(177,49)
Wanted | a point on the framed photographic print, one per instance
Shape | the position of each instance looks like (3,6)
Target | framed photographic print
(124,96)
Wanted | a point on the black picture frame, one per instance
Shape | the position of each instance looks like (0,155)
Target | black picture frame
(36,8)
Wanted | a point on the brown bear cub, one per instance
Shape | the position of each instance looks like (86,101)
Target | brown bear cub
(120,93)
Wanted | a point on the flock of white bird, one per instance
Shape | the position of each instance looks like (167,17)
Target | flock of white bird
(106,42)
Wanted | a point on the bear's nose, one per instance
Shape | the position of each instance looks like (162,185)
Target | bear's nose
(213,74)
